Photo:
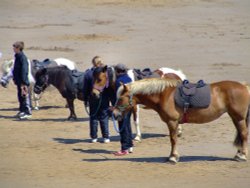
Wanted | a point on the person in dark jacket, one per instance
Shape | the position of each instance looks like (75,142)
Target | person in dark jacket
(21,80)
(98,108)
(126,137)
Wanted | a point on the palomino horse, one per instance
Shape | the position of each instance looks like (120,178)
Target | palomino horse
(158,94)
(69,83)
(34,66)
(107,78)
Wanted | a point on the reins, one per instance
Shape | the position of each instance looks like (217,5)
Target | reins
(122,108)
(97,109)
(115,125)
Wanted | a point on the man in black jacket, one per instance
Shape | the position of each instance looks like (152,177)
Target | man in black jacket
(21,80)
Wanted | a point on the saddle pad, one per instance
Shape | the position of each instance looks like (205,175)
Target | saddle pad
(145,73)
(77,77)
(194,96)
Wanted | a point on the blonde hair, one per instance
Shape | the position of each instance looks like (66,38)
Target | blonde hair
(97,61)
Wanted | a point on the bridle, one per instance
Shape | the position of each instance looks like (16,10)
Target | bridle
(40,88)
(123,107)
(101,88)
(108,81)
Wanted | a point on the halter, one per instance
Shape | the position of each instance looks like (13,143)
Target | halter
(101,88)
(123,107)
(40,88)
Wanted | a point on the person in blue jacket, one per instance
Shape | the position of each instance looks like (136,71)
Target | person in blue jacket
(126,138)
(98,108)
(21,80)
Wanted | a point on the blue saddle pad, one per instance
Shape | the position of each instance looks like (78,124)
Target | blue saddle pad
(192,95)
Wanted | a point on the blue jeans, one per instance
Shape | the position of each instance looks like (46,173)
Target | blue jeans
(94,126)
(126,132)
(24,102)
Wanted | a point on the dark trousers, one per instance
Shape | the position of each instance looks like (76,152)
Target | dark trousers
(24,102)
(103,124)
(126,132)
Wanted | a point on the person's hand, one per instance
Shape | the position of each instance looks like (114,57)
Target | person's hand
(111,108)
(24,90)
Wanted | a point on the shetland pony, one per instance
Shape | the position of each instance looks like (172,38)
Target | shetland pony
(107,77)
(158,94)
(63,79)
(34,66)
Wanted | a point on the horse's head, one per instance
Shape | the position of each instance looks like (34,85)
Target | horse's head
(42,78)
(100,80)
(124,102)
(7,68)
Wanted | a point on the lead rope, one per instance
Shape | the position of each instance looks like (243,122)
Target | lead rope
(115,125)
(97,109)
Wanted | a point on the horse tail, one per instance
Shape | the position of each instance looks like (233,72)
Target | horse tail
(248,117)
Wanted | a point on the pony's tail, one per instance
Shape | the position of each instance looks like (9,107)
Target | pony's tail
(248,117)
(238,140)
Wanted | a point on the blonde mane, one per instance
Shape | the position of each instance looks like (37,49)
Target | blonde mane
(7,65)
(149,86)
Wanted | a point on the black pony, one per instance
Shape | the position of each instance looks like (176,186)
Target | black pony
(69,83)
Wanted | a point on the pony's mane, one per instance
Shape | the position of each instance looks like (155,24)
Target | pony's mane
(6,66)
(149,86)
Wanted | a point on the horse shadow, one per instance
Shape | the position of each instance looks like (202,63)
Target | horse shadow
(183,159)
(75,141)
(153,135)
(8,109)
(59,120)
(93,151)
(49,107)
(70,140)
(7,117)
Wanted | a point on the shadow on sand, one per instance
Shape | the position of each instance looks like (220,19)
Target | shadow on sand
(183,159)
(44,119)
(112,138)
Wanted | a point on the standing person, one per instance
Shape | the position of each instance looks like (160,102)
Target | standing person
(98,108)
(20,78)
(126,138)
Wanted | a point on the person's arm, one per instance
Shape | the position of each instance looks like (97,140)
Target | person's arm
(86,88)
(24,71)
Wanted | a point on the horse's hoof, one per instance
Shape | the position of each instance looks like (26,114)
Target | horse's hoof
(173,159)
(179,134)
(72,118)
(240,157)
(137,138)
(179,131)
(36,108)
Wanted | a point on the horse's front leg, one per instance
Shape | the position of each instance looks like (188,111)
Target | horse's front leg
(136,123)
(36,100)
(173,130)
(72,115)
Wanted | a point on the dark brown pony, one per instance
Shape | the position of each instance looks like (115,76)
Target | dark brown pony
(64,80)
(158,94)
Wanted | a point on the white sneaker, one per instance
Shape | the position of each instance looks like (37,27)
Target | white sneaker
(25,116)
(106,140)
(94,140)
(130,150)
(19,114)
